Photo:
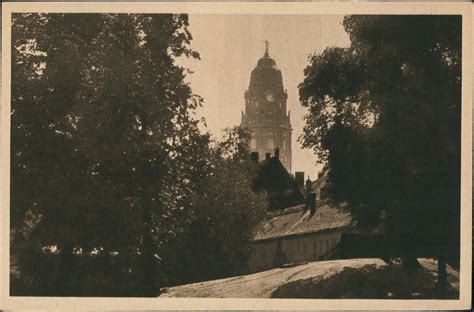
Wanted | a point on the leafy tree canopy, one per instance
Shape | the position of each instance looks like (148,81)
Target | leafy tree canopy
(222,215)
(109,167)
(384,114)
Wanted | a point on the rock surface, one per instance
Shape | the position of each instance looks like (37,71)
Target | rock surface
(353,278)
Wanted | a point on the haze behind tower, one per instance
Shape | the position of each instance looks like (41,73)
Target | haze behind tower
(231,45)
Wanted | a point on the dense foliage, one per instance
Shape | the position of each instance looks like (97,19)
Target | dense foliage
(223,213)
(108,162)
(385,114)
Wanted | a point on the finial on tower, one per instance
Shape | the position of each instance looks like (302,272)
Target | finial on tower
(266,47)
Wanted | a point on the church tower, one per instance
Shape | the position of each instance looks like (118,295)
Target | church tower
(265,111)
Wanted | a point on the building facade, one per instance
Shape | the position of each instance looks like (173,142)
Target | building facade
(297,235)
(265,112)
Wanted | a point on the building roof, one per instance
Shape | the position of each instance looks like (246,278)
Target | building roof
(298,220)
(272,177)
(317,184)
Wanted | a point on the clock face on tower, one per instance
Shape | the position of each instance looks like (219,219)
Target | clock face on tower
(270,97)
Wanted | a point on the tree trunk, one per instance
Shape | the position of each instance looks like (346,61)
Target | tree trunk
(150,282)
(442,278)
(65,267)
(410,263)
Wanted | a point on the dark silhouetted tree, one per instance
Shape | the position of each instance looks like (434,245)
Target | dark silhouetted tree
(104,146)
(222,214)
(385,114)
(115,190)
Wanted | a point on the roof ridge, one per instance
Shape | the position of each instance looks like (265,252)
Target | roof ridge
(286,211)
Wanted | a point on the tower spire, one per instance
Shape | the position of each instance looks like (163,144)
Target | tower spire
(266,48)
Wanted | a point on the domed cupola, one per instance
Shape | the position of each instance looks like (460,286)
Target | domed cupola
(265,76)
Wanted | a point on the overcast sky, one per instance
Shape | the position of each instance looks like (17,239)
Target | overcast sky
(230,46)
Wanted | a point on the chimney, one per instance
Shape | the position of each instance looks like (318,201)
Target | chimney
(267,156)
(299,178)
(308,186)
(308,194)
(254,156)
(277,152)
(312,203)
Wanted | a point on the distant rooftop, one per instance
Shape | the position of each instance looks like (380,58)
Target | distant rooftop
(297,221)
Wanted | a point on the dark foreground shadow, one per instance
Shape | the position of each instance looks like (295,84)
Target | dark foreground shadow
(369,282)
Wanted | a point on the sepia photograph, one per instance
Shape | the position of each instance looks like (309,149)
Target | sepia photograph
(236,154)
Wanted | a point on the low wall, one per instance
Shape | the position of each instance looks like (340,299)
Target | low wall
(276,252)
